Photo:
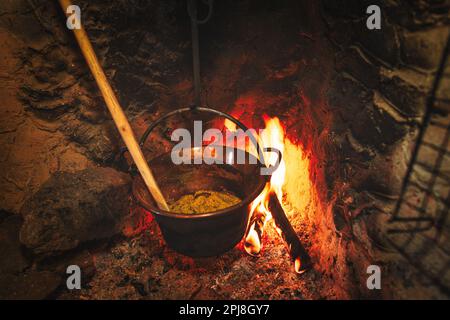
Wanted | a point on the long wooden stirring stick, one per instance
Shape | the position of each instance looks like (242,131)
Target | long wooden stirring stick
(116,112)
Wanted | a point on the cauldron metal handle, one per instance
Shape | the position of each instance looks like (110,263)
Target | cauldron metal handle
(220,113)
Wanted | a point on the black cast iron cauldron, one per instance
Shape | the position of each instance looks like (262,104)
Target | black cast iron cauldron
(212,233)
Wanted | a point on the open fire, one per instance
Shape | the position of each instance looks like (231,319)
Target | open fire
(269,202)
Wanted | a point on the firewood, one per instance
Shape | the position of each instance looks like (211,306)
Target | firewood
(299,256)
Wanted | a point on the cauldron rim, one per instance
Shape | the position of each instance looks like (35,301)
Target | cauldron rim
(142,195)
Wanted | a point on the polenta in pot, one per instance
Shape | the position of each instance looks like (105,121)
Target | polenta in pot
(204,201)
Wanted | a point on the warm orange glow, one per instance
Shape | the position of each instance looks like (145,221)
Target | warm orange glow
(272,136)
(298,265)
(291,180)
(252,243)
(291,183)
(230,125)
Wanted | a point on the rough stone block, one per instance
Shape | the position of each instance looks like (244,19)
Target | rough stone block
(382,44)
(355,63)
(72,208)
(348,97)
(423,49)
(406,92)
(377,128)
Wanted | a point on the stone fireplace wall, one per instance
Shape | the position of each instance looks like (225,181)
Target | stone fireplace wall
(383,77)
(379,91)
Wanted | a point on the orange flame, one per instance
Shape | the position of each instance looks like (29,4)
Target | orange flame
(272,136)
(297,183)
(298,265)
(230,125)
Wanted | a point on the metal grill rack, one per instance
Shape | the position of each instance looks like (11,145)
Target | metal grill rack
(420,225)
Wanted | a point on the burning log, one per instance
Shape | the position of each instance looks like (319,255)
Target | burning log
(297,252)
